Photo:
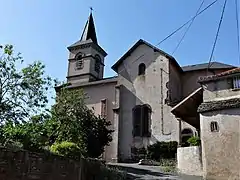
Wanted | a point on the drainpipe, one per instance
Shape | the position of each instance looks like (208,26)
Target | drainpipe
(162,121)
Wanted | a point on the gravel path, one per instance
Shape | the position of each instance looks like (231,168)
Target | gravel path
(136,171)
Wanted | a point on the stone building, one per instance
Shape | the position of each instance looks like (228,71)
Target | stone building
(220,125)
(139,99)
(218,103)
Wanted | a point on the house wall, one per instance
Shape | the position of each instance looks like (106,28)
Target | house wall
(221,150)
(219,90)
(175,84)
(145,89)
(190,81)
(94,95)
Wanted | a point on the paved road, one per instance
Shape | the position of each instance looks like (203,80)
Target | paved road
(136,171)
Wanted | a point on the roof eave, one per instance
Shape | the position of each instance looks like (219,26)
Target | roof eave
(206,79)
(88,43)
(139,42)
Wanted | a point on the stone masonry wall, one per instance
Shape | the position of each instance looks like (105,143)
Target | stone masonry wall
(189,160)
(24,165)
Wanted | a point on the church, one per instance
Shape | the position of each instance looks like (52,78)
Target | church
(139,100)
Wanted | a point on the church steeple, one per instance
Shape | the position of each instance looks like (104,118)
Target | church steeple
(86,57)
(89,30)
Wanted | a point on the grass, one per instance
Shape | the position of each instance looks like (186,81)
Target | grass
(111,173)
(168,165)
(169,169)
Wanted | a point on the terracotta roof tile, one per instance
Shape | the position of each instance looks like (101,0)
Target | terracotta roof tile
(218,76)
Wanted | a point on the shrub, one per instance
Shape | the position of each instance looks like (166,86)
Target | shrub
(138,153)
(66,149)
(162,150)
(194,141)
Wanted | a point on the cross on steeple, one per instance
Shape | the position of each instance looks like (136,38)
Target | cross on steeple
(91,9)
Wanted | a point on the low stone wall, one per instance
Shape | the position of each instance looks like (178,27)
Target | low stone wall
(189,160)
(24,165)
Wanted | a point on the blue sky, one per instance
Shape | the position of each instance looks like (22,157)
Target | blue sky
(42,29)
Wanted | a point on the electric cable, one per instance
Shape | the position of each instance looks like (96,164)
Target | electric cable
(179,43)
(186,23)
(217,34)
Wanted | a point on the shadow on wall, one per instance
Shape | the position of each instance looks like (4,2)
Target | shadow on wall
(126,125)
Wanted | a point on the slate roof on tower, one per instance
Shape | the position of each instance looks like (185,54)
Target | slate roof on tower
(88,34)
(89,31)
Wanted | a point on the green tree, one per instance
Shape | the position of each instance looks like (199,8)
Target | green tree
(22,92)
(32,135)
(78,124)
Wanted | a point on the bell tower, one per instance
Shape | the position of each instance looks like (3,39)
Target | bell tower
(86,57)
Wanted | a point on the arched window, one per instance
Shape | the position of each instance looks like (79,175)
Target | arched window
(141,69)
(97,63)
(137,121)
(141,120)
(186,134)
(79,61)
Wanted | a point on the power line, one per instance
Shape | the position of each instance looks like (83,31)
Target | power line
(176,30)
(186,22)
(237,20)
(216,38)
(179,43)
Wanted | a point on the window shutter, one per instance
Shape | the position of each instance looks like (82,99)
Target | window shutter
(137,121)
(145,121)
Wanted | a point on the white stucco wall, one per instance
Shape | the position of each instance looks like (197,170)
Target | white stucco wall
(189,160)
(221,150)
